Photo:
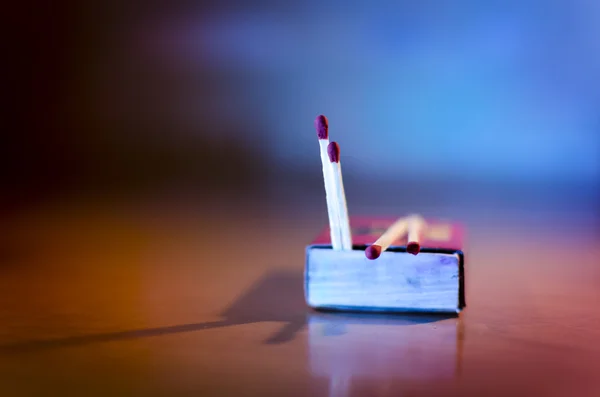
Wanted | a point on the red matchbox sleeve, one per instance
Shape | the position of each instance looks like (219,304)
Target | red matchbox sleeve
(366,230)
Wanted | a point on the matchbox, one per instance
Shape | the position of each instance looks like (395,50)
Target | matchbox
(397,281)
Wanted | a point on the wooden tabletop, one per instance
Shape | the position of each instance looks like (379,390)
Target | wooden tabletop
(207,300)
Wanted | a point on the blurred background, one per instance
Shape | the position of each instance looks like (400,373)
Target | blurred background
(457,103)
(161,178)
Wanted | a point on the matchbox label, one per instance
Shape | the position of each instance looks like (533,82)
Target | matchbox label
(440,232)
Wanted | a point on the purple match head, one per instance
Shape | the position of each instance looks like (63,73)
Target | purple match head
(413,248)
(322,127)
(373,251)
(333,150)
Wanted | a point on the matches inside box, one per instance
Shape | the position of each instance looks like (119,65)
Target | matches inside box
(396,264)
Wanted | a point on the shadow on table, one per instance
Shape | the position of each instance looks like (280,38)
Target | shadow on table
(277,297)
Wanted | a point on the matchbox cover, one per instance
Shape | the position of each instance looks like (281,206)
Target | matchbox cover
(439,234)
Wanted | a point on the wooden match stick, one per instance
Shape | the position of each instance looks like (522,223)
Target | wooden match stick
(416,229)
(322,127)
(393,233)
(333,150)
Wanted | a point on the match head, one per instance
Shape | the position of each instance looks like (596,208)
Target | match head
(333,150)
(373,251)
(413,248)
(322,127)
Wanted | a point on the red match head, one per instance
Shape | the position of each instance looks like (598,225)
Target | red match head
(373,251)
(322,127)
(413,248)
(333,150)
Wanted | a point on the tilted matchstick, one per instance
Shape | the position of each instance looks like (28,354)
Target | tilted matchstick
(416,229)
(393,233)
(333,150)
(322,127)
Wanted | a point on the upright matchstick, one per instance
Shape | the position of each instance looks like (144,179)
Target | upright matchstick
(416,228)
(333,150)
(397,230)
(322,127)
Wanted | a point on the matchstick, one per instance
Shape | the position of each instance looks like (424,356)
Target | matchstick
(333,150)
(416,229)
(394,232)
(322,127)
